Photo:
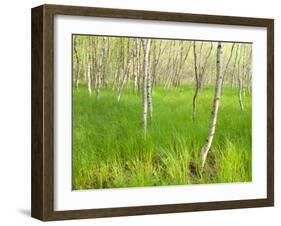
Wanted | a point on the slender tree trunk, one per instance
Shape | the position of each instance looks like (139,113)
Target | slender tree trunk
(98,81)
(78,67)
(125,71)
(98,72)
(194,104)
(146,47)
(136,67)
(139,63)
(94,63)
(101,64)
(108,61)
(240,82)
(204,67)
(78,77)
(199,73)
(167,69)
(226,66)
(249,72)
(136,80)
(153,63)
(89,78)
(197,82)
(214,115)
(149,94)
(240,94)
(124,80)
(234,66)
(85,57)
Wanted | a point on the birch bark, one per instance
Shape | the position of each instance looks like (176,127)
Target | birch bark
(146,47)
(89,78)
(234,66)
(240,82)
(214,114)
(149,91)
(78,66)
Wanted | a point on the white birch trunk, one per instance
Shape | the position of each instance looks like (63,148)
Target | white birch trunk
(146,47)
(149,95)
(136,82)
(98,86)
(77,63)
(149,87)
(240,94)
(100,65)
(240,82)
(122,86)
(234,67)
(78,77)
(89,78)
(212,128)
(137,72)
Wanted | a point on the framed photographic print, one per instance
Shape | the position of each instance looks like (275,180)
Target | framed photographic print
(141,112)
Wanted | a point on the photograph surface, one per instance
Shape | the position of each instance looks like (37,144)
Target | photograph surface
(159,112)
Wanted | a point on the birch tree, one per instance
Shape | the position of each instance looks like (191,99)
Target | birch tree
(107,59)
(234,66)
(125,70)
(89,68)
(146,47)
(214,114)
(240,82)
(85,60)
(139,67)
(227,64)
(120,63)
(199,71)
(77,62)
(89,78)
(136,65)
(101,59)
(149,88)
(249,72)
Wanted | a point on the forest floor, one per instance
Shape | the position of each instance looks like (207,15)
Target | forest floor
(110,150)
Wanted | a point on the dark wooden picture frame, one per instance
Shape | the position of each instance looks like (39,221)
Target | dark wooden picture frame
(42,203)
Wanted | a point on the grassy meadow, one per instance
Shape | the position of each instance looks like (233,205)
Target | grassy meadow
(110,150)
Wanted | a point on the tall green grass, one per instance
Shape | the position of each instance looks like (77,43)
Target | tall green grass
(110,150)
